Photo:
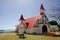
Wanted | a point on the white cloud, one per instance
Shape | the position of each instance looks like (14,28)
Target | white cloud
(7,27)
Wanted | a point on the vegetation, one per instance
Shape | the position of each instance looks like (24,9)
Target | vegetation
(53,22)
(13,36)
(59,26)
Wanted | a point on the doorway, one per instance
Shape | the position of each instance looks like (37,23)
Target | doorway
(44,29)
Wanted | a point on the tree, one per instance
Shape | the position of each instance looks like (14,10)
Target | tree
(59,25)
(53,22)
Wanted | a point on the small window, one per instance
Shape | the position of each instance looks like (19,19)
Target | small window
(45,21)
(44,16)
(42,21)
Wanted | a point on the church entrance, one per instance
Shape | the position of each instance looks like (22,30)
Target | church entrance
(44,29)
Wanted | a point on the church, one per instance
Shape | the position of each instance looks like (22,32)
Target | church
(37,24)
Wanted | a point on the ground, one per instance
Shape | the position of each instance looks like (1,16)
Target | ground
(13,36)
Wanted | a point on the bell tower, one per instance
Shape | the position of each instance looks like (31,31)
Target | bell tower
(42,9)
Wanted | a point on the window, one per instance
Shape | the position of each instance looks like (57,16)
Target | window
(42,21)
(44,16)
(45,21)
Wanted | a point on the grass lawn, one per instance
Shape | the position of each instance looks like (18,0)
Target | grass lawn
(13,36)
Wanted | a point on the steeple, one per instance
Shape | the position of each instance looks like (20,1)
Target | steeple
(21,18)
(41,7)
(42,10)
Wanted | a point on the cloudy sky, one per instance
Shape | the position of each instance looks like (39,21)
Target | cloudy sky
(10,10)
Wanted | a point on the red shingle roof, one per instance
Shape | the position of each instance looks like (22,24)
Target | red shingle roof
(31,21)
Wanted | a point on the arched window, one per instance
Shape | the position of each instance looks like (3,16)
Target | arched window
(44,19)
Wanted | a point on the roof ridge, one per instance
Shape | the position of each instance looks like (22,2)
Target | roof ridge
(32,16)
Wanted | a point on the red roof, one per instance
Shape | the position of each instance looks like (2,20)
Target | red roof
(31,21)
(42,7)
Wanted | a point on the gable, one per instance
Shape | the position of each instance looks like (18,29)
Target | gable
(41,21)
(44,16)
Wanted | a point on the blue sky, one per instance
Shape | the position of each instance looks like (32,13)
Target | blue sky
(10,10)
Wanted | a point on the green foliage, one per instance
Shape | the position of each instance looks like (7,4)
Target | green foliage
(53,22)
(59,25)
(59,29)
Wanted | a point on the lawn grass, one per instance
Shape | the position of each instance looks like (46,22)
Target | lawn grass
(13,36)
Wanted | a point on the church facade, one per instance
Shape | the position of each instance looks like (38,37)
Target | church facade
(37,24)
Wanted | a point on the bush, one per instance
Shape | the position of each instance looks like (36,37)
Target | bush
(59,25)
(53,22)
(59,29)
